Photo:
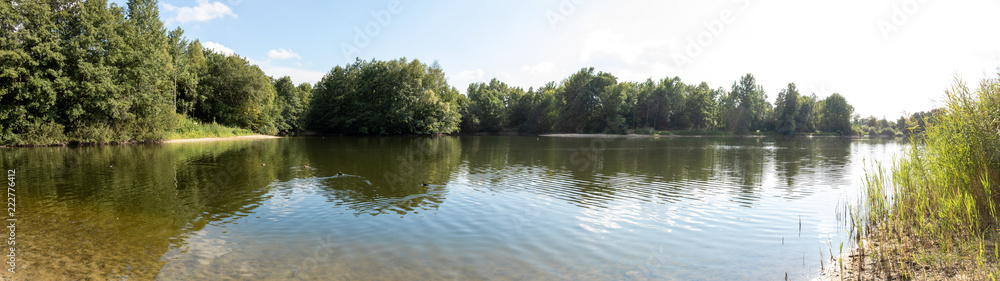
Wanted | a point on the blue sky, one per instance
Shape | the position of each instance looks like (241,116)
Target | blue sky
(886,57)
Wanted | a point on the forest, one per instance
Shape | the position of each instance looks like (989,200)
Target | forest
(75,71)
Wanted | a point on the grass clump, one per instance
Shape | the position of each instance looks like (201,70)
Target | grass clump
(191,129)
(933,215)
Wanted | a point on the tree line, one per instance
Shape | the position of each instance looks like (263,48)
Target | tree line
(589,102)
(87,71)
(94,72)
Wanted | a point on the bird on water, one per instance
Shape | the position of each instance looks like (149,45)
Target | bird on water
(424,183)
(339,173)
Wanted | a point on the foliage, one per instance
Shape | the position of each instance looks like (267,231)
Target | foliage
(488,104)
(193,129)
(745,108)
(835,115)
(100,72)
(385,98)
(700,108)
(292,103)
(237,94)
(786,111)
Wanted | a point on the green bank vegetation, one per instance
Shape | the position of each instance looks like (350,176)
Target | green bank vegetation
(90,72)
(93,72)
(933,215)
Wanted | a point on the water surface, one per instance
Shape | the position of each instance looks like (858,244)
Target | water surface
(494,208)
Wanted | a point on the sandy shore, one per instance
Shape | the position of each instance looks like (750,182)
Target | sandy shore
(251,137)
(601,136)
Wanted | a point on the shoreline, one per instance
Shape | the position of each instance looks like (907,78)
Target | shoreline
(250,137)
(574,135)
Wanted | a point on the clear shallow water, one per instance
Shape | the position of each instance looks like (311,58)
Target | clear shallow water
(495,208)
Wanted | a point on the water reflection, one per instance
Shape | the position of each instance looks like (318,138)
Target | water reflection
(554,208)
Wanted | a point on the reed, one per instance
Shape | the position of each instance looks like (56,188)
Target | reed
(933,213)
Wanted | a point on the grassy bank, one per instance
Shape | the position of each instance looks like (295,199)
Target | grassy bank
(933,213)
(191,129)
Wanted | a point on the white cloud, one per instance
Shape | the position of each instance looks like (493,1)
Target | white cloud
(205,11)
(462,80)
(540,68)
(282,54)
(218,48)
(298,75)
(475,74)
(608,45)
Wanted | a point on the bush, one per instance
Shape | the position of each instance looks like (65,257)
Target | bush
(43,134)
(645,131)
(887,132)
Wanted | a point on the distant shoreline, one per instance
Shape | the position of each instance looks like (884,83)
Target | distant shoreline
(250,137)
(684,136)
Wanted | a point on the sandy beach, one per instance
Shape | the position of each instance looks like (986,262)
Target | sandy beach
(251,137)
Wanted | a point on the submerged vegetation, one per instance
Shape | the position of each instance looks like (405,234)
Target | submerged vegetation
(934,213)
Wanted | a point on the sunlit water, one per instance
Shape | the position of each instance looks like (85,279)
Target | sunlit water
(495,208)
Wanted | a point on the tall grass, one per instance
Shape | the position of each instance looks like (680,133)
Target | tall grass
(191,129)
(933,214)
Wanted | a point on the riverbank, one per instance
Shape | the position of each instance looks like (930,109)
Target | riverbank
(250,137)
(684,136)
(871,263)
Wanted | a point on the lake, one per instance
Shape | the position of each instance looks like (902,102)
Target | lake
(493,208)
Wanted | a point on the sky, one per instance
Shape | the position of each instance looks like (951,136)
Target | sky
(886,57)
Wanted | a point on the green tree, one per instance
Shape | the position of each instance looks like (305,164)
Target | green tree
(31,76)
(237,94)
(746,106)
(488,105)
(289,103)
(805,118)
(192,64)
(145,65)
(700,107)
(658,103)
(835,115)
(385,97)
(786,109)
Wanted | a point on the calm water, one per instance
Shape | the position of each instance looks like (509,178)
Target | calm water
(521,208)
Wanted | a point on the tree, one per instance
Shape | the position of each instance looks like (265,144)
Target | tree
(145,65)
(385,98)
(578,102)
(805,118)
(31,76)
(835,115)
(191,65)
(658,103)
(290,105)
(488,105)
(236,94)
(786,109)
(746,107)
(699,107)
